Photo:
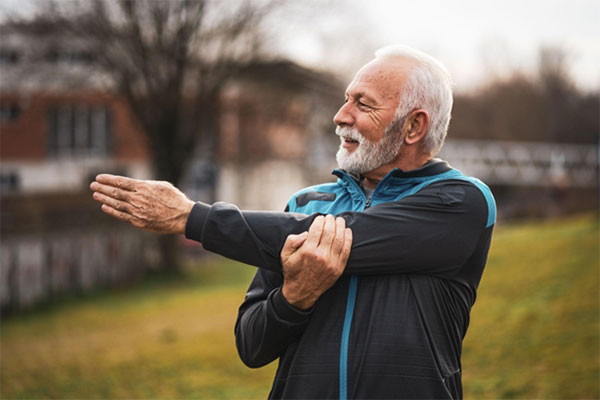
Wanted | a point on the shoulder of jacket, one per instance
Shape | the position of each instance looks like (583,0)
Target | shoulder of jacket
(321,189)
(484,189)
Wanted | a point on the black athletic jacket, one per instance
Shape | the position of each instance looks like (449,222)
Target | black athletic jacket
(392,325)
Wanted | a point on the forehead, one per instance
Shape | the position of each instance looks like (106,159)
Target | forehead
(381,80)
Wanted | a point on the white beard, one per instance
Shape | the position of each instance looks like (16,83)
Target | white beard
(368,155)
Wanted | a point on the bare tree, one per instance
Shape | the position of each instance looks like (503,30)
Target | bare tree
(560,97)
(544,106)
(170,60)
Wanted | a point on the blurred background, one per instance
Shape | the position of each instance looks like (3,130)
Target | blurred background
(233,101)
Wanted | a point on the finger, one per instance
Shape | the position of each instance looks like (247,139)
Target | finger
(338,240)
(120,215)
(292,243)
(301,238)
(125,217)
(328,232)
(121,182)
(345,253)
(114,203)
(314,232)
(110,191)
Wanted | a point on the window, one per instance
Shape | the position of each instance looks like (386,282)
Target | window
(79,130)
(69,57)
(9,182)
(9,112)
(9,56)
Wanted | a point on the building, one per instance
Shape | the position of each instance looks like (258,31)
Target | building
(61,123)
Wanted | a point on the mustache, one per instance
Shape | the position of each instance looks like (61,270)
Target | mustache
(350,133)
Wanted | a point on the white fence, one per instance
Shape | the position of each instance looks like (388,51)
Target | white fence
(36,267)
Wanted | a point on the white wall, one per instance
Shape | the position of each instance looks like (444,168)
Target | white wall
(67,174)
(265,186)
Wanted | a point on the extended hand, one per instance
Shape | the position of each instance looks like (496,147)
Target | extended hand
(312,262)
(151,205)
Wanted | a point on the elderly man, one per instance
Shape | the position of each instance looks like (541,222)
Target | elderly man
(377,309)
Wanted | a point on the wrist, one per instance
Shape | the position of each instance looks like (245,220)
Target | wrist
(185,214)
(300,302)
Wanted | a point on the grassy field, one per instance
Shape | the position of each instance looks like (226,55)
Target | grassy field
(534,330)
(535,326)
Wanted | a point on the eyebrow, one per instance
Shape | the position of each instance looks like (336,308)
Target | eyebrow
(365,96)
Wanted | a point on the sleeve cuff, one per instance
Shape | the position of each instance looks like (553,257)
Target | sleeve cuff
(195,221)
(286,311)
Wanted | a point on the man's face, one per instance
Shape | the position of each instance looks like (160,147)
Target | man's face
(364,121)
(368,155)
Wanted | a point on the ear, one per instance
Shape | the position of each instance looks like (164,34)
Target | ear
(416,126)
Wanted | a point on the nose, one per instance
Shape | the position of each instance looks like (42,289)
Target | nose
(344,116)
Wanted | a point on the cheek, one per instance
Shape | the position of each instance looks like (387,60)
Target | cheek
(373,127)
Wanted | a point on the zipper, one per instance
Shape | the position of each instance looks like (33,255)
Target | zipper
(352,289)
(346,337)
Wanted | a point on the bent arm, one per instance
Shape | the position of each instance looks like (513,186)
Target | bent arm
(266,324)
(422,233)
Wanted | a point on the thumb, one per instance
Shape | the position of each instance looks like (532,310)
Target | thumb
(293,243)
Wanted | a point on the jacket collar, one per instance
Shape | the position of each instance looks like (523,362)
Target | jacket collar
(435,166)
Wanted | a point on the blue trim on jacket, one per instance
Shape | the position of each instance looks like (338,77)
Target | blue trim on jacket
(350,197)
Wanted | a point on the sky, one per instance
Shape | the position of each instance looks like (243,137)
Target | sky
(476,40)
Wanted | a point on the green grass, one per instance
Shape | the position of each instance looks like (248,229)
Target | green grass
(169,340)
(534,330)
(535,326)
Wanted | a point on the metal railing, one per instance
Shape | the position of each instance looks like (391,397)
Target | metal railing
(525,163)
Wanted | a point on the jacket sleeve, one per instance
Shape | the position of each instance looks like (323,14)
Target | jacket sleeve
(266,322)
(433,231)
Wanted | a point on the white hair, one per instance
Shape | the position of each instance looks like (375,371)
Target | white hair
(428,86)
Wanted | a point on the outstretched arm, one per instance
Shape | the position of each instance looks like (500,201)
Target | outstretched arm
(428,232)
(420,234)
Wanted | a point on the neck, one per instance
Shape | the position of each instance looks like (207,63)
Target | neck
(416,161)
